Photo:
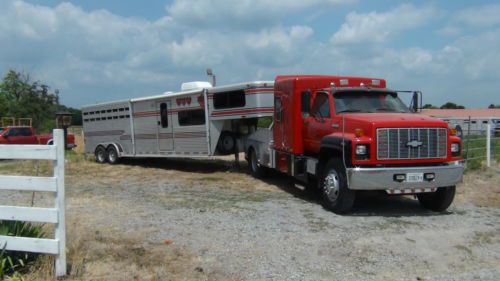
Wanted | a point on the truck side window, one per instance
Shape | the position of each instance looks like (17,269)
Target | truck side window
(321,106)
(164,115)
(305,103)
(278,109)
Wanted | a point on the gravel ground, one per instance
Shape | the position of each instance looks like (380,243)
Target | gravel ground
(147,220)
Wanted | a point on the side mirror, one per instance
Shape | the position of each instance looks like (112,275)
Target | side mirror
(416,101)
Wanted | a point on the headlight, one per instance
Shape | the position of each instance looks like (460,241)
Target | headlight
(361,149)
(455,147)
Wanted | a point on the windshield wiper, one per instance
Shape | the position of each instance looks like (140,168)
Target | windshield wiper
(349,110)
(384,109)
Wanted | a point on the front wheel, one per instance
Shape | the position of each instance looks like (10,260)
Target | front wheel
(439,200)
(337,197)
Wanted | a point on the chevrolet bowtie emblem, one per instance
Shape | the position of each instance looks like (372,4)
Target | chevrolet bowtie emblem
(414,143)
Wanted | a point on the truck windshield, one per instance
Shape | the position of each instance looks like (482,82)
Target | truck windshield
(368,101)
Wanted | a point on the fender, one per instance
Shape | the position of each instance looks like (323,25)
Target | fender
(117,146)
(332,146)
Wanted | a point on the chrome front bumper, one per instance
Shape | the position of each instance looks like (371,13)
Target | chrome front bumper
(383,178)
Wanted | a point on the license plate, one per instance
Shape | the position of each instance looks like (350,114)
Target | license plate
(414,177)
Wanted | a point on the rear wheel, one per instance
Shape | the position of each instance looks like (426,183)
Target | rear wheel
(337,197)
(439,200)
(227,143)
(100,155)
(256,169)
(112,155)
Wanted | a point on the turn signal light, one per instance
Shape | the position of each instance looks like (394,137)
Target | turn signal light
(453,131)
(359,132)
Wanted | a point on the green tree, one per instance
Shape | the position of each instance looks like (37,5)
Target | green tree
(451,105)
(21,97)
(429,106)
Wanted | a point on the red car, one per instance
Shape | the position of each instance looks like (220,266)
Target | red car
(26,135)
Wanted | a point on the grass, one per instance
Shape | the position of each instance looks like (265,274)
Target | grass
(475,146)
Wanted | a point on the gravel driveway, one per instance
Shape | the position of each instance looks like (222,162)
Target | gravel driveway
(178,220)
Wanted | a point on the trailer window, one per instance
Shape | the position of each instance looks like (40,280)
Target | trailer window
(164,115)
(191,117)
(229,99)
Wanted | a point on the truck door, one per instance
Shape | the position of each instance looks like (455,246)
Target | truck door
(21,136)
(318,123)
(165,127)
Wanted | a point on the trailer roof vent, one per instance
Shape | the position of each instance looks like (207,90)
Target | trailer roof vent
(195,85)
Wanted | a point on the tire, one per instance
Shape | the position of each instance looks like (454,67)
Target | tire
(439,200)
(50,142)
(256,169)
(100,155)
(113,157)
(337,197)
(227,143)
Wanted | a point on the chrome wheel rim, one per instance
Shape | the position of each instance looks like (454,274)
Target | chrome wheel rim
(100,156)
(112,156)
(331,187)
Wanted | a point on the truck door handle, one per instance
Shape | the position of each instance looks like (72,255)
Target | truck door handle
(335,125)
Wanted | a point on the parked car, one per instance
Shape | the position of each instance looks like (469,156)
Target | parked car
(26,135)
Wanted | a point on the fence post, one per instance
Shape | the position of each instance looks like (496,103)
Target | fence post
(488,145)
(60,229)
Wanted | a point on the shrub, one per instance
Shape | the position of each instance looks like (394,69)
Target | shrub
(14,261)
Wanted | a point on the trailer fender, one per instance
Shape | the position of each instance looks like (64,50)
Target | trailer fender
(117,146)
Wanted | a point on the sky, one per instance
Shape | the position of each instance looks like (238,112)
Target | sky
(102,50)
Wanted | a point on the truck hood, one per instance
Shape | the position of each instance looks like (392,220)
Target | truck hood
(394,119)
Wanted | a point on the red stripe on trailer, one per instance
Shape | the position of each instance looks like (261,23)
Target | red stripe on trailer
(243,111)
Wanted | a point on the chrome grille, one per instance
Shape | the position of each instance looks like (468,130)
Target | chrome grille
(411,143)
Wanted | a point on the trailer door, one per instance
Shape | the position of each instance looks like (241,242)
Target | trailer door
(165,127)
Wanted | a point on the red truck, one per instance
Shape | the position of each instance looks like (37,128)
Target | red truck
(26,135)
(345,135)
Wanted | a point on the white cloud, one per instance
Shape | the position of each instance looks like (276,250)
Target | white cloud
(247,14)
(378,27)
(482,16)
(99,56)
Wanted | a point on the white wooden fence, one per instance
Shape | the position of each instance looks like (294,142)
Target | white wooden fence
(54,215)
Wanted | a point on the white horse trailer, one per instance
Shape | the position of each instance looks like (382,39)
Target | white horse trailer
(198,121)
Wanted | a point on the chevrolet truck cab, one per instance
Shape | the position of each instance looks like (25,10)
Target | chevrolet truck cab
(349,134)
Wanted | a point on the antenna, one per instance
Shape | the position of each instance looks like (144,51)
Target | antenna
(211,74)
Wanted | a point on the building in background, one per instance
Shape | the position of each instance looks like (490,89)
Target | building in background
(465,120)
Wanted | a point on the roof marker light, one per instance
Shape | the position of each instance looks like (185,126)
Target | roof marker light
(375,82)
(344,82)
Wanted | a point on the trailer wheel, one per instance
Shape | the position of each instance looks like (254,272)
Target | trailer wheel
(439,200)
(227,143)
(100,155)
(256,169)
(112,155)
(337,197)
